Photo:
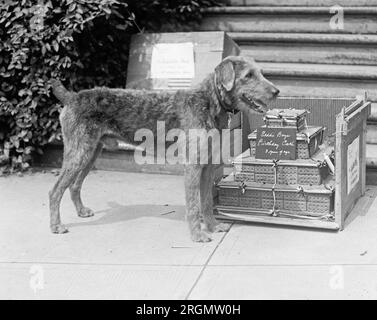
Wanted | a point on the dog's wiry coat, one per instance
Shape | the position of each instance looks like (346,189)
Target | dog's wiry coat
(90,116)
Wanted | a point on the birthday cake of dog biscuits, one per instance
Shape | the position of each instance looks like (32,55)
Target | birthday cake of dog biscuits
(285,172)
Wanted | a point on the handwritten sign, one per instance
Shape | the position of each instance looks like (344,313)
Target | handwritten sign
(276,143)
(353,164)
(173,60)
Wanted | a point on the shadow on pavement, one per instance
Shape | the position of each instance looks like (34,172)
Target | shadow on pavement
(119,213)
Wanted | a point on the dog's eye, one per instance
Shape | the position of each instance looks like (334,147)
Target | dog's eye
(249,75)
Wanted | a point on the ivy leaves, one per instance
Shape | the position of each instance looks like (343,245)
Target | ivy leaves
(37,43)
(84,42)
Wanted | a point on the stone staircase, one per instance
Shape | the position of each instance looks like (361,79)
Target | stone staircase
(301,49)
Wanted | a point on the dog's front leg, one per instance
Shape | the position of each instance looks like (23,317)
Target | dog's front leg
(192,189)
(206,197)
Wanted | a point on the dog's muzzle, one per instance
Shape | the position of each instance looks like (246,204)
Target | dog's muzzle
(257,105)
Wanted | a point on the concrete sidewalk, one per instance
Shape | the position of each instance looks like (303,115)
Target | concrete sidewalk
(137,246)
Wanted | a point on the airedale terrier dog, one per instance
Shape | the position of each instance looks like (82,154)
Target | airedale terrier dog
(90,117)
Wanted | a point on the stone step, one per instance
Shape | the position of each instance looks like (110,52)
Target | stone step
(321,80)
(372,156)
(308,47)
(289,19)
(312,3)
(321,71)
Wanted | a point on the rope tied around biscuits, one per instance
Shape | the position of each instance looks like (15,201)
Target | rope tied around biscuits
(274,212)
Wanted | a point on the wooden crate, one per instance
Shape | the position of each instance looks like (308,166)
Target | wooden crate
(319,209)
(312,171)
(210,48)
(308,142)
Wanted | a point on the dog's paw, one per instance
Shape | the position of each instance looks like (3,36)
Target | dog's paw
(221,227)
(85,213)
(200,236)
(58,228)
(218,227)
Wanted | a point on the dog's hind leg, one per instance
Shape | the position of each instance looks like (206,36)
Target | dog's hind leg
(67,175)
(75,187)
(192,190)
(206,199)
(76,157)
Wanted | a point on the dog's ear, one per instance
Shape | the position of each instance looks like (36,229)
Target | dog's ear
(226,75)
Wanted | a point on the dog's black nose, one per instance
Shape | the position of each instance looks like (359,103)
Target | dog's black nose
(275,92)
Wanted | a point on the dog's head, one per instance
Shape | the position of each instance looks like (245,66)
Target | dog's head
(242,86)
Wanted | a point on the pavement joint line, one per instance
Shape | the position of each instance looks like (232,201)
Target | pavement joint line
(206,263)
(101,264)
(295,265)
(189,265)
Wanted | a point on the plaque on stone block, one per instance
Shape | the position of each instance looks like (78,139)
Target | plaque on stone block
(276,143)
(176,60)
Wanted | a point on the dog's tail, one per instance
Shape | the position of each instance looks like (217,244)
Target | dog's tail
(61,92)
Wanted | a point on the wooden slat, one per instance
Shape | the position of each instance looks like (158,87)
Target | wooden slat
(351,108)
(236,213)
(339,160)
(363,153)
